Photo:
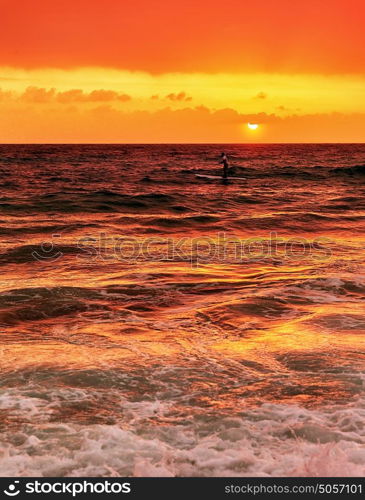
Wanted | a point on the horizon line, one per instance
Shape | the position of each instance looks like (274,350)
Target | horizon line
(170,143)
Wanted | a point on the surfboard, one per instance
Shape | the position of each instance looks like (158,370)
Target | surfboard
(203,176)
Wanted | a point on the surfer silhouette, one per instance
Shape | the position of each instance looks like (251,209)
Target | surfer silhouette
(224,161)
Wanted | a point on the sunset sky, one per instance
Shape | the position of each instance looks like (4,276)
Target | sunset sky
(188,71)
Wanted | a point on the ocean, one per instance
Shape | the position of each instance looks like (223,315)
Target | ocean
(158,324)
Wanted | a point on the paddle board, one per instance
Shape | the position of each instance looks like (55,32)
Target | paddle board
(203,176)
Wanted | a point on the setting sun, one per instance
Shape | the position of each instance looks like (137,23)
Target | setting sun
(252,126)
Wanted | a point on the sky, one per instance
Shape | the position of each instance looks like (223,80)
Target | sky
(188,71)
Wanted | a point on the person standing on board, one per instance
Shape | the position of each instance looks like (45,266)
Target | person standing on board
(224,161)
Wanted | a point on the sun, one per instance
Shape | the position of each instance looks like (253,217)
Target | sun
(252,126)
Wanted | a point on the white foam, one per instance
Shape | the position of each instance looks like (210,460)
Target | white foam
(271,440)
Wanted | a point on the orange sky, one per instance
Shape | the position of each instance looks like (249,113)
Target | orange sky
(286,64)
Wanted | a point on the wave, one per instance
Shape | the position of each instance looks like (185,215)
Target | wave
(271,440)
(249,313)
(37,253)
(46,228)
(202,222)
(97,201)
(358,170)
(34,304)
(113,302)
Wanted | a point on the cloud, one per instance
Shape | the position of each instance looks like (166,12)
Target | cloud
(42,95)
(124,97)
(74,95)
(181,96)
(6,95)
(38,95)
(78,95)
(284,108)
(261,95)
(106,95)
(105,123)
